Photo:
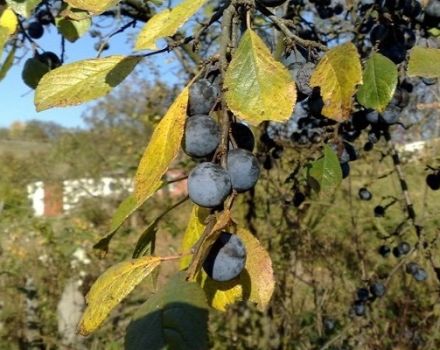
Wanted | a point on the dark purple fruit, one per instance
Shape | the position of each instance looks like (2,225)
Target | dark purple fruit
(35,30)
(226,258)
(271,3)
(433,181)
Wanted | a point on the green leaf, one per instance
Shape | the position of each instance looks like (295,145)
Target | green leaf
(337,74)
(166,23)
(82,81)
(147,241)
(380,81)
(4,36)
(424,62)
(325,175)
(33,72)
(23,7)
(174,318)
(111,287)
(7,64)
(162,149)
(194,229)
(257,86)
(72,30)
(93,6)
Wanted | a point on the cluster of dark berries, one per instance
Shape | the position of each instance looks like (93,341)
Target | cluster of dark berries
(365,296)
(394,34)
(35,28)
(418,272)
(208,183)
(325,10)
(433,180)
(403,248)
(271,3)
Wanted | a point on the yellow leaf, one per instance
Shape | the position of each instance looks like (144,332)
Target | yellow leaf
(221,294)
(162,149)
(166,23)
(424,62)
(8,20)
(111,287)
(257,86)
(93,6)
(196,226)
(82,81)
(256,282)
(259,280)
(337,74)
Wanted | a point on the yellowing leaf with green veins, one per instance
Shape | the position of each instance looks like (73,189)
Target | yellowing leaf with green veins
(166,23)
(111,287)
(8,20)
(82,81)
(256,282)
(23,7)
(162,149)
(257,86)
(93,6)
(380,81)
(196,226)
(424,62)
(337,74)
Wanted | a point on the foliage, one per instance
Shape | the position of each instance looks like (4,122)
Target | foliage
(275,70)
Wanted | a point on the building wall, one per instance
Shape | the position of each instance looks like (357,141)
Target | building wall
(53,199)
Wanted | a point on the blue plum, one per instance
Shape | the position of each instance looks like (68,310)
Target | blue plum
(202,136)
(243,169)
(202,97)
(226,258)
(209,185)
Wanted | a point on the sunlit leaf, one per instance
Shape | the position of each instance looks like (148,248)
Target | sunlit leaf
(380,81)
(82,81)
(257,86)
(196,226)
(166,23)
(23,7)
(7,64)
(214,226)
(8,20)
(162,149)
(93,6)
(256,282)
(4,36)
(72,30)
(337,74)
(176,317)
(111,287)
(424,62)
(325,175)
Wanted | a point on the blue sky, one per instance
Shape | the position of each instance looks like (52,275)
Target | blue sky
(16,99)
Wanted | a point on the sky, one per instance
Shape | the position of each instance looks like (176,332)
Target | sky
(16,99)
